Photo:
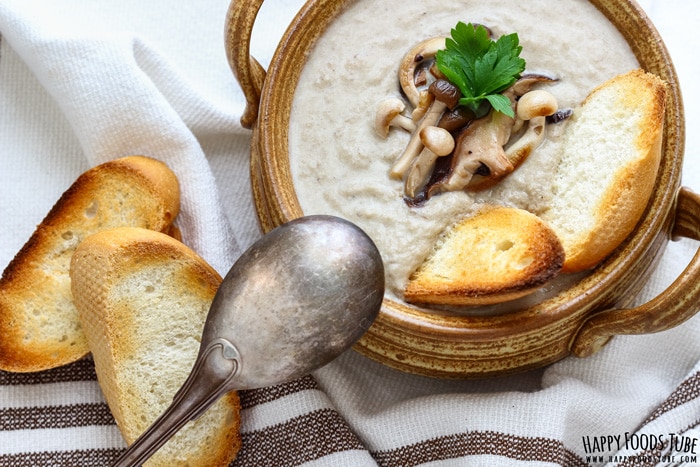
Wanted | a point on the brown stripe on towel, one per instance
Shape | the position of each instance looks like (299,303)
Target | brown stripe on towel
(688,390)
(254,397)
(86,458)
(82,370)
(64,416)
(475,443)
(298,440)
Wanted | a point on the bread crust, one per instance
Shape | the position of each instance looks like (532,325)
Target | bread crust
(496,255)
(39,324)
(143,298)
(634,101)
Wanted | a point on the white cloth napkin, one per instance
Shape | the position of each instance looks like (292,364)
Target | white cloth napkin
(82,82)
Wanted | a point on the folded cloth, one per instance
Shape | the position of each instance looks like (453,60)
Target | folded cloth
(83,82)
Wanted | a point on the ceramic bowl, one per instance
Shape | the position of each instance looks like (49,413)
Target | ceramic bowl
(577,321)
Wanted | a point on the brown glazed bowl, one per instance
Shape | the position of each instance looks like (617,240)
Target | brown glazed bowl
(579,320)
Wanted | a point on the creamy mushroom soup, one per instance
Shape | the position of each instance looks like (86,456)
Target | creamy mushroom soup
(340,165)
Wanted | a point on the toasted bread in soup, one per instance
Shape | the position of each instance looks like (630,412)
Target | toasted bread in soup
(39,325)
(608,167)
(498,254)
(143,298)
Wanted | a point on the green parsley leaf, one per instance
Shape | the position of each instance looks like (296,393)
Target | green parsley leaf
(480,67)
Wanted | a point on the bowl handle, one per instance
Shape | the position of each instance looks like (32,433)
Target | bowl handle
(240,18)
(680,301)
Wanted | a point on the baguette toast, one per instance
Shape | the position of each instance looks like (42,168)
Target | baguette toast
(608,167)
(610,158)
(143,298)
(496,255)
(39,325)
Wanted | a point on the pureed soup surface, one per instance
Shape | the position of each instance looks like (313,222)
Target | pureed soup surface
(340,165)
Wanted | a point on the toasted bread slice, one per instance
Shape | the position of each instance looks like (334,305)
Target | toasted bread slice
(496,255)
(39,325)
(143,298)
(608,167)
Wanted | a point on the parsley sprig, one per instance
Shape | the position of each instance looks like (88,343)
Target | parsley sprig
(480,67)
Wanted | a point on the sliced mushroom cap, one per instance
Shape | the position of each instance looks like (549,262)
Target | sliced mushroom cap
(481,144)
(533,107)
(526,81)
(407,69)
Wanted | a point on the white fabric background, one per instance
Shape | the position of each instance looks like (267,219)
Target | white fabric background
(85,81)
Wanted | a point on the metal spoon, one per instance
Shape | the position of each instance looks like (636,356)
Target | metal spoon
(295,300)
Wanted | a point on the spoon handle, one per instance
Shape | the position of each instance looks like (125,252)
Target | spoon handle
(208,381)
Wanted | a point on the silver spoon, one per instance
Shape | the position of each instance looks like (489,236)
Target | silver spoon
(299,297)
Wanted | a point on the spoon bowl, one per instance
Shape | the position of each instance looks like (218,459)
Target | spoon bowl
(296,299)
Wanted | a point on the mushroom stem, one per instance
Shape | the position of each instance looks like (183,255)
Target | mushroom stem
(401,121)
(533,107)
(389,115)
(446,97)
(420,171)
(438,142)
(425,100)
(415,145)
(528,142)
